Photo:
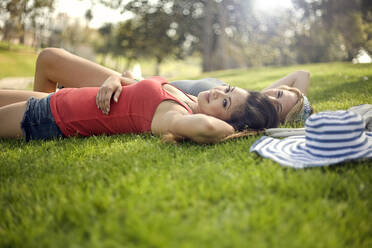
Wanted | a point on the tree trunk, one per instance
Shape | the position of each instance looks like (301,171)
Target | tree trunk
(157,66)
(8,29)
(221,44)
(22,34)
(207,42)
(128,64)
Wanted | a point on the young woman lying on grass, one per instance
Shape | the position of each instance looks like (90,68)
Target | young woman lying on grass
(288,94)
(151,105)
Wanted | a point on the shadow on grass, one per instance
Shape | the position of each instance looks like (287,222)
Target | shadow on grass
(340,168)
(343,167)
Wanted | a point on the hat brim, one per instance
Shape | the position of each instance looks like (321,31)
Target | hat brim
(292,152)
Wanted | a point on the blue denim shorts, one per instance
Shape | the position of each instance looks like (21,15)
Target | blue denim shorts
(38,122)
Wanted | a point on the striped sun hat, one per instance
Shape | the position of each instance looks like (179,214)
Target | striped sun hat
(330,137)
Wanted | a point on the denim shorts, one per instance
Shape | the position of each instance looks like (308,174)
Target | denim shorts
(38,122)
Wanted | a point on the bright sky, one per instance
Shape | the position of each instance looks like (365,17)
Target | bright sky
(272,5)
(101,14)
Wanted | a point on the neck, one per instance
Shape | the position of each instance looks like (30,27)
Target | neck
(193,106)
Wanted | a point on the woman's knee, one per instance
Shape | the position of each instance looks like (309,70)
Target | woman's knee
(47,64)
(48,56)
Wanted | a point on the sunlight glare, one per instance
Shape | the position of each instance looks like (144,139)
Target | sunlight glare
(101,13)
(272,5)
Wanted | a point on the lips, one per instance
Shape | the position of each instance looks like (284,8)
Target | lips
(207,97)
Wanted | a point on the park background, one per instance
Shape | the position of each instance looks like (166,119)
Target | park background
(198,36)
(133,190)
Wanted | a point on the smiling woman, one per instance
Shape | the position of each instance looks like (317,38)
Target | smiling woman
(289,97)
(283,100)
(240,108)
(229,97)
(288,94)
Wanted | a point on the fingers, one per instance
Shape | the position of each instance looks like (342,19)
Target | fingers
(103,99)
(117,94)
(110,88)
(127,81)
(104,96)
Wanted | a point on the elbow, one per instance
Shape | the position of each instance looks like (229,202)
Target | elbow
(302,81)
(303,74)
(215,132)
(205,132)
(201,128)
(206,128)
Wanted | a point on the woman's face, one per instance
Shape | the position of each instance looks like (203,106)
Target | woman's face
(283,101)
(222,101)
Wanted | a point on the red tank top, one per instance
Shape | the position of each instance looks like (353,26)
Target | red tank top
(76,113)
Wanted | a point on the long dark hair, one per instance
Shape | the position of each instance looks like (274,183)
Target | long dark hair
(256,113)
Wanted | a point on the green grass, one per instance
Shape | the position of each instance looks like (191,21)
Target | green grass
(16,61)
(134,191)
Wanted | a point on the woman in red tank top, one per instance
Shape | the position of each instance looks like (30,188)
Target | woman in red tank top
(121,105)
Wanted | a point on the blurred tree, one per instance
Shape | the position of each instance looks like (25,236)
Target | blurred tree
(72,35)
(155,33)
(128,45)
(344,21)
(367,24)
(107,47)
(174,28)
(228,34)
(222,28)
(23,12)
(317,44)
(88,16)
(268,39)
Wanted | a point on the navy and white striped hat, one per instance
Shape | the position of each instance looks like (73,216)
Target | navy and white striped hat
(330,137)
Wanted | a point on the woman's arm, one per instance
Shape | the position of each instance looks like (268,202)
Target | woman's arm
(55,65)
(197,127)
(297,79)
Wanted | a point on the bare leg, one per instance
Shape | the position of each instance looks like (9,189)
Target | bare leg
(56,65)
(13,96)
(10,120)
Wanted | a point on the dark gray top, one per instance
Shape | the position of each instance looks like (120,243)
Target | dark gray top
(194,87)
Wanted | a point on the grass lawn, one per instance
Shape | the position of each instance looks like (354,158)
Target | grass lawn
(18,61)
(134,191)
